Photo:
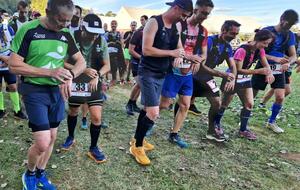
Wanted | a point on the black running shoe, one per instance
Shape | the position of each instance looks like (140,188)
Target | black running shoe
(217,134)
(193,110)
(129,109)
(2,114)
(136,108)
(20,115)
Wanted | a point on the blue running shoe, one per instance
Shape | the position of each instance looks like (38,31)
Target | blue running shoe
(150,131)
(97,155)
(70,141)
(29,182)
(177,140)
(104,125)
(84,124)
(44,183)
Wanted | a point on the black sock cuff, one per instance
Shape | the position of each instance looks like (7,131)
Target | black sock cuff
(95,127)
(148,121)
(72,117)
(245,113)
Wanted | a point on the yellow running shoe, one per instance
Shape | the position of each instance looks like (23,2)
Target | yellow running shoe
(139,155)
(147,146)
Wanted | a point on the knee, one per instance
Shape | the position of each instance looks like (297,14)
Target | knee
(73,111)
(184,107)
(279,99)
(43,146)
(12,88)
(216,105)
(153,115)
(96,119)
(288,91)
(248,105)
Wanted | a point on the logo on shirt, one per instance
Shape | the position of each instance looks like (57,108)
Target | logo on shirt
(39,36)
(63,38)
(57,55)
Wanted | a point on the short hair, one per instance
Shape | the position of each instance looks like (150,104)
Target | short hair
(114,21)
(80,9)
(290,15)
(228,24)
(22,4)
(145,17)
(54,5)
(263,35)
(207,3)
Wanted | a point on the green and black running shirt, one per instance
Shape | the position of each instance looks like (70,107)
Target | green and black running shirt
(43,48)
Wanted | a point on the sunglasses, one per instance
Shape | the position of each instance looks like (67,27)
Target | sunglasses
(205,13)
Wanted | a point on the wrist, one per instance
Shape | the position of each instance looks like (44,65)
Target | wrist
(72,73)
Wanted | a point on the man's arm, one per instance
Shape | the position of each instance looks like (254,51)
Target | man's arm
(79,65)
(148,50)
(18,67)
(133,52)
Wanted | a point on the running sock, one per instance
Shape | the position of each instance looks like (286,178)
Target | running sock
(95,133)
(1,101)
(244,117)
(30,173)
(275,111)
(130,101)
(219,115)
(141,116)
(176,108)
(15,99)
(173,134)
(39,172)
(83,119)
(142,129)
(72,121)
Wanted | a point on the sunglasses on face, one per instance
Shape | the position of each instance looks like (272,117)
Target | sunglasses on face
(205,13)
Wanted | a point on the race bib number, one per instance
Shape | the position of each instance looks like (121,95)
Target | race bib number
(113,50)
(80,89)
(276,69)
(243,78)
(213,85)
(186,64)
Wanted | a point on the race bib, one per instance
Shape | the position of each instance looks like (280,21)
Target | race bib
(113,50)
(243,78)
(276,69)
(2,67)
(186,64)
(80,90)
(213,85)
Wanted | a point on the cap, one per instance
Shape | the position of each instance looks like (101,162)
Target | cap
(186,5)
(93,24)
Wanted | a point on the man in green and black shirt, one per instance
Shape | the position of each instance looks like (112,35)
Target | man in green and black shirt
(38,53)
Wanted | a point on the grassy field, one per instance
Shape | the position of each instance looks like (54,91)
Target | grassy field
(237,164)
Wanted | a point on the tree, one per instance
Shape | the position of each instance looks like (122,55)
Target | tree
(110,14)
(39,5)
(10,6)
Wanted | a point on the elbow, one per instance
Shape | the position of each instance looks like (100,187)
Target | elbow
(146,51)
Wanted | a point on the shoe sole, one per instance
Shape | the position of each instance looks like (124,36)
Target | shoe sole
(209,137)
(138,161)
(23,182)
(194,113)
(241,136)
(277,132)
(67,149)
(93,158)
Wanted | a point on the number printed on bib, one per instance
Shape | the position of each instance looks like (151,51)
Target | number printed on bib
(80,89)
(276,69)
(113,50)
(243,78)
(213,85)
